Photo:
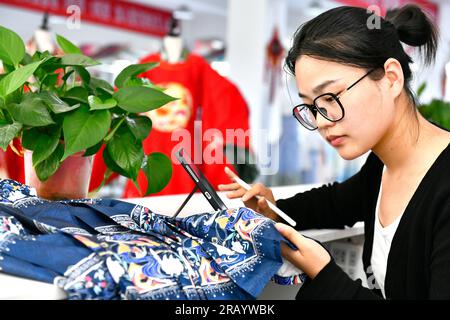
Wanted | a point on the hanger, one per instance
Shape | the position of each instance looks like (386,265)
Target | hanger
(44,25)
(175,28)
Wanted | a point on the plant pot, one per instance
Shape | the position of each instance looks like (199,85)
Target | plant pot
(70,181)
(3,165)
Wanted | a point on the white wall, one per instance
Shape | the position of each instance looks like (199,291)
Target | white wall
(434,74)
(246,38)
(204,26)
(443,56)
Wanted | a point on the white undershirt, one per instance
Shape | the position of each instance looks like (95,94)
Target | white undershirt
(382,240)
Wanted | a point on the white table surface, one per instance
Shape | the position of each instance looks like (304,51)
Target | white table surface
(12,287)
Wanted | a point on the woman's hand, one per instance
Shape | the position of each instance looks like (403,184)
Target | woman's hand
(310,257)
(250,197)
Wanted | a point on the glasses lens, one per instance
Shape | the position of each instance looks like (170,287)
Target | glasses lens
(329,107)
(306,117)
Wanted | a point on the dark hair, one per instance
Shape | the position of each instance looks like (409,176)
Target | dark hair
(343,35)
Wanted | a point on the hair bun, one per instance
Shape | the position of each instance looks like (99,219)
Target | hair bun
(415,28)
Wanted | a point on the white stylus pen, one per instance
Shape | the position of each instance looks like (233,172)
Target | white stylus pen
(247,187)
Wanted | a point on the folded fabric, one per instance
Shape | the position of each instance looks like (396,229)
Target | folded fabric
(110,249)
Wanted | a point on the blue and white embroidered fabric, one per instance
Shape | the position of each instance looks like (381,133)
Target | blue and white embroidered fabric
(110,249)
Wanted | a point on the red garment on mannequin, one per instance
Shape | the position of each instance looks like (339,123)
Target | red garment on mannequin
(203,95)
(13,163)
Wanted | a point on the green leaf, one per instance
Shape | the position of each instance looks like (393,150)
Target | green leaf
(32,111)
(67,75)
(45,169)
(100,86)
(158,170)
(437,111)
(78,94)
(8,68)
(135,82)
(50,80)
(17,78)
(83,129)
(141,99)
(27,59)
(140,126)
(49,63)
(112,165)
(76,59)
(141,82)
(93,150)
(37,56)
(152,86)
(118,111)
(12,48)
(421,89)
(67,46)
(46,55)
(98,104)
(45,144)
(14,97)
(133,71)
(55,103)
(125,152)
(84,74)
(115,124)
(136,184)
(28,138)
(8,132)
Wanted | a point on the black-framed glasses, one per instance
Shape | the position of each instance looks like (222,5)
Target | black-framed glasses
(327,104)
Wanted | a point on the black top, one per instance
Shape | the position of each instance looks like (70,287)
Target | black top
(419,259)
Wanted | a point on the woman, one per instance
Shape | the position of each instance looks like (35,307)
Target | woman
(355,84)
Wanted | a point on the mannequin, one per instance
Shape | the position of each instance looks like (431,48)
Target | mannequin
(42,39)
(172,49)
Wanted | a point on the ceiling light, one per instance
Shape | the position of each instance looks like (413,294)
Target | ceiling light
(183,13)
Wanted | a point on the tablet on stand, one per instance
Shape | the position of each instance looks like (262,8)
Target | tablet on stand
(201,183)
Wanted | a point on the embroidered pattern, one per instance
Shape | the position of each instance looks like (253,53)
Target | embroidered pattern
(109,249)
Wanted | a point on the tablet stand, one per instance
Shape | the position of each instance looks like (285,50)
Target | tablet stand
(186,201)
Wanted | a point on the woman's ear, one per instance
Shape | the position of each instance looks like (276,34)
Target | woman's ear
(393,74)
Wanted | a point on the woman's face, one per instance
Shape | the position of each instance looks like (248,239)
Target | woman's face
(369,110)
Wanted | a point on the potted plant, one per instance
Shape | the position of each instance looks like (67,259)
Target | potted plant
(62,113)
(437,111)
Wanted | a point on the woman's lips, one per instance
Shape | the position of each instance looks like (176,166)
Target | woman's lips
(335,140)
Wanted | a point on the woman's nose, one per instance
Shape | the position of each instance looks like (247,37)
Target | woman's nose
(323,122)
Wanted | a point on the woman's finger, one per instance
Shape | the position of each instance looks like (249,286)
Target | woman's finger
(292,235)
(230,173)
(293,256)
(262,203)
(254,191)
(310,256)
(229,187)
(235,194)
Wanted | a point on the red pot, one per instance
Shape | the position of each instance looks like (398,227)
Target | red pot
(70,181)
